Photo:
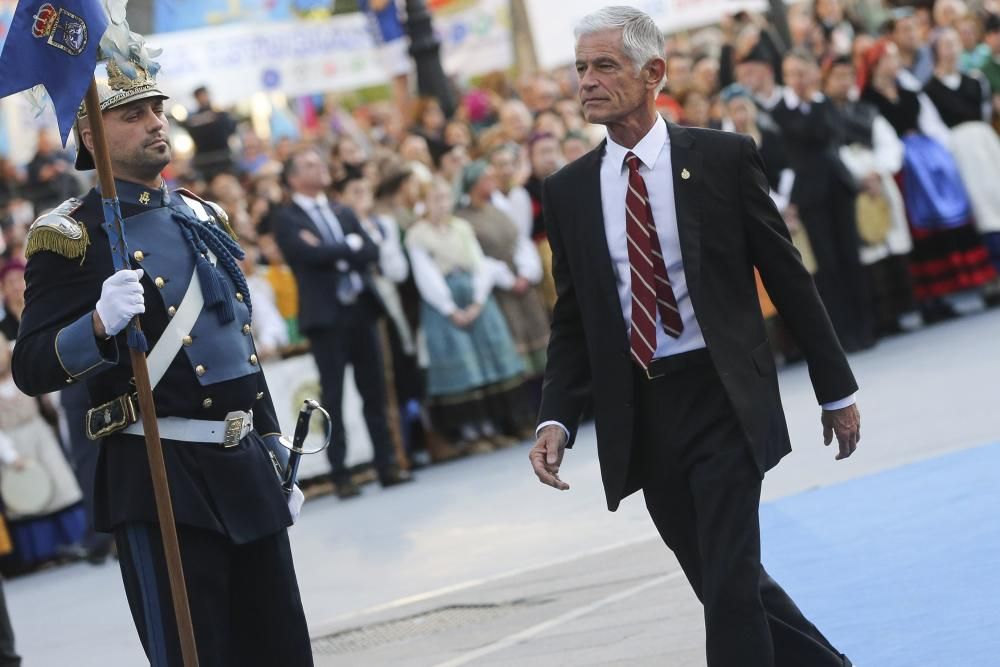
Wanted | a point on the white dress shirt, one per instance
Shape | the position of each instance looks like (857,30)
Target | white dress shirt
(653,151)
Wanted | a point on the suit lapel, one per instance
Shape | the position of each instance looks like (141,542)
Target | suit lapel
(686,165)
(597,239)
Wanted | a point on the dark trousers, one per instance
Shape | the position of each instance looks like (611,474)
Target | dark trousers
(840,280)
(702,490)
(244,598)
(84,454)
(354,340)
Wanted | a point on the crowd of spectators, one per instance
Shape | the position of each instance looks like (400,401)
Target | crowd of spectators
(877,125)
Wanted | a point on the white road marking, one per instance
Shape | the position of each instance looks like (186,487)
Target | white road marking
(571,615)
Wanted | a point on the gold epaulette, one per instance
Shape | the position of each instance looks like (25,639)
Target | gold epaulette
(218,212)
(57,231)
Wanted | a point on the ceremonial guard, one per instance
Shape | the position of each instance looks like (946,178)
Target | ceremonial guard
(215,415)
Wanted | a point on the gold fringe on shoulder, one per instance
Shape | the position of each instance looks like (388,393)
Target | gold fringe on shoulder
(55,239)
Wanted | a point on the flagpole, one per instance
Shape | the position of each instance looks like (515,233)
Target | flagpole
(147,409)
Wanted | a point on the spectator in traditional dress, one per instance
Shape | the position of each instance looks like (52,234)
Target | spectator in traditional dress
(948,254)
(474,370)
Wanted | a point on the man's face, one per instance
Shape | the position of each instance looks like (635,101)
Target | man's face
(505,167)
(610,87)
(906,35)
(546,157)
(310,174)
(839,82)
(796,76)
(137,139)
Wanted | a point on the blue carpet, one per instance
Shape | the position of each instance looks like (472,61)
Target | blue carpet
(900,569)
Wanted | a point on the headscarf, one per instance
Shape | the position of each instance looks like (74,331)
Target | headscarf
(870,60)
(472,173)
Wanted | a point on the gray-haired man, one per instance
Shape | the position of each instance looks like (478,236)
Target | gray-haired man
(654,237)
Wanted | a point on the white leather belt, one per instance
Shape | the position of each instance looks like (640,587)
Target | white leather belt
(227,432)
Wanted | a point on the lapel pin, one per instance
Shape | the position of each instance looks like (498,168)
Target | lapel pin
(685,174)
(144,198)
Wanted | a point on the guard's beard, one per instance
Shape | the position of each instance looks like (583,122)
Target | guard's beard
(145,164)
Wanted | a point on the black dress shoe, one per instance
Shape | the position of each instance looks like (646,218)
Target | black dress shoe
(394,476)
(347,489)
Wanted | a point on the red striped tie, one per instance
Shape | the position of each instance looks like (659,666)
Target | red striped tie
(651,290)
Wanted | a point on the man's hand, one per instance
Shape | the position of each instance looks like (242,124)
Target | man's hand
(546,456)
(121,300)
(846,425)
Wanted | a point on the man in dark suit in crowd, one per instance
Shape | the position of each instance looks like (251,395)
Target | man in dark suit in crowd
(825,195)
(332,260)
(655,236)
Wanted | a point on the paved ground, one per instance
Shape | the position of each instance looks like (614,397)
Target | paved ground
(478,564)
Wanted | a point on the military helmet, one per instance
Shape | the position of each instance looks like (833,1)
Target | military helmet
(117,89)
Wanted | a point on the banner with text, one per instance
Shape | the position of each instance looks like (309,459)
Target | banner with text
(315,56)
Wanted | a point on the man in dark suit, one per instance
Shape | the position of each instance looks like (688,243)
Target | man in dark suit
(655,236)
(332,259)
(825,195)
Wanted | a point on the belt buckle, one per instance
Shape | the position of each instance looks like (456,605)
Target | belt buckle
(234,431)
(111,417)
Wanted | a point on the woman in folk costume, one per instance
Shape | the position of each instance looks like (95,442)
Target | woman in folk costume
(47,518)
(965,106)
(873,153)
(474,373)
(948,254)
(519,272)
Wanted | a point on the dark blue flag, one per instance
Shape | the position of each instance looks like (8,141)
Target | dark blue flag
(53,43)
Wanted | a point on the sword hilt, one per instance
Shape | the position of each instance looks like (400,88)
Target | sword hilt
(298,440)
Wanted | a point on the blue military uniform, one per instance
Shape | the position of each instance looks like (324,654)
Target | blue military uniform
(231,513)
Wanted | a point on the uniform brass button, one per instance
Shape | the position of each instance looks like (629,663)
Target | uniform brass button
(138,256)
(253,359)
(246,329)
(239,296)
(199,370)
(207,403)
(260,395)
(171,311)
(187,340)
(159,282)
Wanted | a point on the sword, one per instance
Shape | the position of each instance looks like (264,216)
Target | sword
(298,440)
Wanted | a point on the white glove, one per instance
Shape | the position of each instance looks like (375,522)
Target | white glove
(354,242)
(295,500)
(121,300)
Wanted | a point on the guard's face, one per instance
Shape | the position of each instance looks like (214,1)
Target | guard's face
(137,138)
(610,87)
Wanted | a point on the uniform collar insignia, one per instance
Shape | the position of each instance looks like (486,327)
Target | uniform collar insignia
(141,195)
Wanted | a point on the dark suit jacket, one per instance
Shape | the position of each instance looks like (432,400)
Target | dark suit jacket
(315,267)
(727,226)
(811,142)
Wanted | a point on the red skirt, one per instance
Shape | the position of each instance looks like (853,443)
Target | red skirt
(946,261)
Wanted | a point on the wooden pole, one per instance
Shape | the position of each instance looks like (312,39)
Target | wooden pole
(147,409)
